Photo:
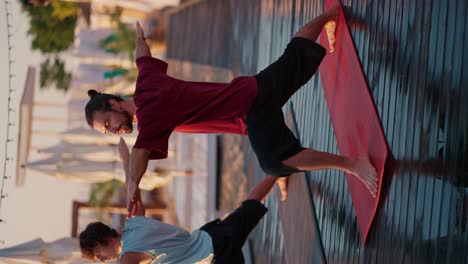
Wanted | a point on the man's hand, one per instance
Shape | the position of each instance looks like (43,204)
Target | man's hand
(136,207)
(139,31)
(142,48)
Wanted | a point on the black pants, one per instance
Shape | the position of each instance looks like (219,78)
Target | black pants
(270,138)
(229,235)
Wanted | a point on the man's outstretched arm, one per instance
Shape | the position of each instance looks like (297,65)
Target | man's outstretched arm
(142,48)
(138,164)
(132,182)
(262,189)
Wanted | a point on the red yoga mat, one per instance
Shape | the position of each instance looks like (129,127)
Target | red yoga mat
(355,120)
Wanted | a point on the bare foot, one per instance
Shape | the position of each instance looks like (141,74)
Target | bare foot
(330,26)
(366,173)
(283,187)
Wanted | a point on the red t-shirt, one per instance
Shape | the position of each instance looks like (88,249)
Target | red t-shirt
(165,104)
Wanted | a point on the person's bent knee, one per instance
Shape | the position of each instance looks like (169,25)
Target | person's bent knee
(278,169)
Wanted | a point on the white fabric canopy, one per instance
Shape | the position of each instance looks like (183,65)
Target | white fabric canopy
(61,251)
(81,170)
(105,153)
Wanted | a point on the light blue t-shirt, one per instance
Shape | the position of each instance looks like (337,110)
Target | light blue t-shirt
(166,243)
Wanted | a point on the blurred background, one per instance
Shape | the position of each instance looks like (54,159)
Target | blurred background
(59,175)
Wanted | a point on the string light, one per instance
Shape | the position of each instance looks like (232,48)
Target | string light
(10,108)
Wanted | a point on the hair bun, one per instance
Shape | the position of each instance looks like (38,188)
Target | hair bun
(92,93)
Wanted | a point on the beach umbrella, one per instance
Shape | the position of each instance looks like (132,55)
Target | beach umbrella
(96,171)
(78,170)
(61,251)
(105,153)
(45,166)
(87,171)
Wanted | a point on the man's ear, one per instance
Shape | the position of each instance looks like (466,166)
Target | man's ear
(115,105)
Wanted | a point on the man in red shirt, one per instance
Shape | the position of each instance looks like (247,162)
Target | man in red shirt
(247,105)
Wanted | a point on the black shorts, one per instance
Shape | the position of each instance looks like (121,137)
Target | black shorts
(270,138)
(230,234)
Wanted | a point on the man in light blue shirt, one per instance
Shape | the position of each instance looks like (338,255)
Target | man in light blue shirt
(146,240)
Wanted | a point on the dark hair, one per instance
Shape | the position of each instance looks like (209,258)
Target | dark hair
(98,102)
(94,234)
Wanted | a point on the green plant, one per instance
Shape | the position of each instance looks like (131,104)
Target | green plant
(54,73)
(102,193)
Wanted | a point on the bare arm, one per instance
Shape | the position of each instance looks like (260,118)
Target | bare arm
(262,189)
(136,257)
(142,48)
(124,153)
(138,164)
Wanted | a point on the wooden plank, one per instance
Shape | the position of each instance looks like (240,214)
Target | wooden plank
(301,236)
